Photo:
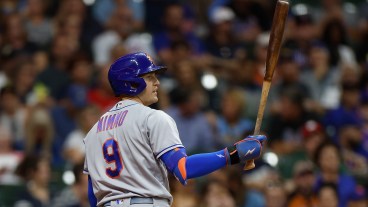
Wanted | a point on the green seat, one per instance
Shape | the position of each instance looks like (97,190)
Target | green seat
(287,162)
(9,194)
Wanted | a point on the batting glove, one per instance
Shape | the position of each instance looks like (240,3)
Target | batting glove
(247,149)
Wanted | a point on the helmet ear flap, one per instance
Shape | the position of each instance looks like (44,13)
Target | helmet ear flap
(134,86)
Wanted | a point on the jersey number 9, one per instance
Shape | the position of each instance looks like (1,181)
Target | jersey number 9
(112,155)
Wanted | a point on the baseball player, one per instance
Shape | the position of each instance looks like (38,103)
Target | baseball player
(132,147)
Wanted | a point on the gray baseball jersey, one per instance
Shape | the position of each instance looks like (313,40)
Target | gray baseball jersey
(123,150)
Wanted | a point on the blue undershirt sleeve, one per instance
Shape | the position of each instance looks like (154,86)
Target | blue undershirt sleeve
(195,165)
(202,164)
(91,196)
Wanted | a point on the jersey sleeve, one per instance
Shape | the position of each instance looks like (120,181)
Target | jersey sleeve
(85,168)
(162,132)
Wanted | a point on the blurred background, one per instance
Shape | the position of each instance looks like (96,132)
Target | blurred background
(54,58)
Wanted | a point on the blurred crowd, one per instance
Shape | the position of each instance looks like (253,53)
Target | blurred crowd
(54,58)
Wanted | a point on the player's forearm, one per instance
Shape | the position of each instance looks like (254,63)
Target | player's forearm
(185,167)
(203,164)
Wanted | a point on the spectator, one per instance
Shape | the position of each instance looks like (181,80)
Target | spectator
(181,51)
(220,41)
(39,28)
(364,127)
(101,95)
(13,115)
(81,75)
(9,158)
(185,200)
(71,27)
(328,160)
(15,38)
(304,179)
(73,148)
(304,33)
(125,35)
(354,155)
(23,77)
(334,34)
(252,18)
(286,123)
(244,197)
(40,60)
(321,79)
(362,43)
(89,27)
(260,56)
(36,172)
(313,135)
(359,198)
(66,112)
(216,194)
(334,9)
(346,113)
(288,76)
(76,194)
(186,195)
(39,133)
(118,29)
(55,76)
(185,74)
(193,126)
(231,124)
(275,195)
(173,31)
(244,76)
(328,195)
(103,9)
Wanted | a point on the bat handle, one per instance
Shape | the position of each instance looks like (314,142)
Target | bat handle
(265,89)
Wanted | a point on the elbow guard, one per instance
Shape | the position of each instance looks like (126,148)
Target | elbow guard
(175,161)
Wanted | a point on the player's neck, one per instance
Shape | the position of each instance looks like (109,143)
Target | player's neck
(134,98)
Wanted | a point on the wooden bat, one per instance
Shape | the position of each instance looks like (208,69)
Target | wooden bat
(273,50)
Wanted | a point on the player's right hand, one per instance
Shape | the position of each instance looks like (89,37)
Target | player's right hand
(247,149)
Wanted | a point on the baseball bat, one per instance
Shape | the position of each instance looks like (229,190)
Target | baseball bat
(273,51)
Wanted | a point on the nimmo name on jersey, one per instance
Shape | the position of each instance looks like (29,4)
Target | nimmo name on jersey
(111,121)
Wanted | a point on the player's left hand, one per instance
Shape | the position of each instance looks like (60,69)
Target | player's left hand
(247,149)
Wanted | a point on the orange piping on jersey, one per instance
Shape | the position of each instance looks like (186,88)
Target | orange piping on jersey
(182,169)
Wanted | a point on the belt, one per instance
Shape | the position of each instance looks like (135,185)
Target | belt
(133,200)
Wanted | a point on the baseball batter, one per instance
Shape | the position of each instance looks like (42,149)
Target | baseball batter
(132,147)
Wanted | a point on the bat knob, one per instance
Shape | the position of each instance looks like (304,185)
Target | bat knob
(249,165)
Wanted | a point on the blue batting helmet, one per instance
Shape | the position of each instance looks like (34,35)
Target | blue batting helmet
(124,74)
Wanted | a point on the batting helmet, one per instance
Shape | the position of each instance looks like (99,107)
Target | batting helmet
(125,73)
